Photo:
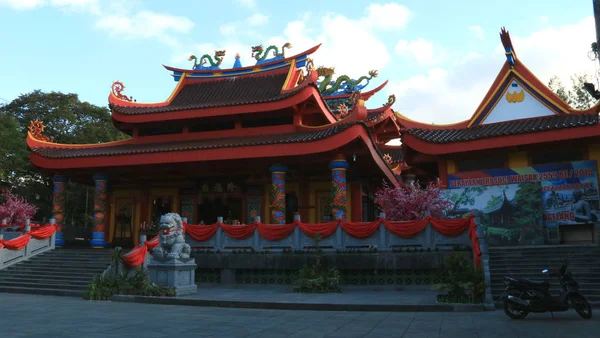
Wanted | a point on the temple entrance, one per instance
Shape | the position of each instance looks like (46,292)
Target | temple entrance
(161,206)
(212,207)
(124,218)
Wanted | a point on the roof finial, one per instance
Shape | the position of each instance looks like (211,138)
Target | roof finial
(509,50)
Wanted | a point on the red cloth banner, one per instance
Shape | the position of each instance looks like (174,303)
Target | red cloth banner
(136,257)
(450,227)
(201,232)
(17,243)
(153,243)
(275,232)
(360,229)
(43,232)
(406,229)
(238,231)
(324,229)
(475,242)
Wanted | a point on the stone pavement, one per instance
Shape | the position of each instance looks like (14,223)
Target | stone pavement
(48,316)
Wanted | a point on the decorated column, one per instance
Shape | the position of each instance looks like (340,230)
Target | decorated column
(278,193)
(338,182)
(99,211)
(58,207)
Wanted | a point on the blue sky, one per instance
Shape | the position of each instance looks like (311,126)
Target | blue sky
(440,59)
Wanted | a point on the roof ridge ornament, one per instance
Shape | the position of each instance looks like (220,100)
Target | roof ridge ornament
(117,89)
(261,54)
(391,100)
(509,50)
(36,128)
(214,61)
(343,84)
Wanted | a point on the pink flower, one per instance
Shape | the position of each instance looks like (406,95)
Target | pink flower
(410,202)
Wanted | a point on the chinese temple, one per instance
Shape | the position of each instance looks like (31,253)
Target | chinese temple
(521,131)
(275,139)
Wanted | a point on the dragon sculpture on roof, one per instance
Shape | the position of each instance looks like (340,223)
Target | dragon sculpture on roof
(343,84)
(261,54)
(201,63)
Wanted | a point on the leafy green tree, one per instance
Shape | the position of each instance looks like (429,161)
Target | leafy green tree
(529,200)
(68,120)
(576,96)
(466,197)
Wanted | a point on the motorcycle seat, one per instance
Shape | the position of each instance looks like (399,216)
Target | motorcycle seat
(545,285)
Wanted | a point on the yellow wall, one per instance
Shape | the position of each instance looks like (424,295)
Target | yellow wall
(451,166)
(518,159)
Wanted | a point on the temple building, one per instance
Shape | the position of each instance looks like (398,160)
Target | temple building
(520,132)
(268,140)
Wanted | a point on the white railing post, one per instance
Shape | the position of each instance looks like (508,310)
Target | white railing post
(184,219)
(382,232)
(143,239)
(27,226)
(256,237)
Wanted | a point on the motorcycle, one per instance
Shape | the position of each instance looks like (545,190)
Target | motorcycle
(523,296)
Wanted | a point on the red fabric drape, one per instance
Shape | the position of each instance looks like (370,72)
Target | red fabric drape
(201,232)
(238,231)
(450,227)
(475,242)
(275,232)
(43,232)
(135,257)
(360,229)
(17,243)
(324,229)
(153,243)
(406,229)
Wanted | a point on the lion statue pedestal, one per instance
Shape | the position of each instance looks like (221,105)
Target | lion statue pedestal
(171,265)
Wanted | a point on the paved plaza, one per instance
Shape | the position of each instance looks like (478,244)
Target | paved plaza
(48,316)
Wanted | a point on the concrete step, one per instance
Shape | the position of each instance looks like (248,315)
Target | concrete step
(32,264)
(70,282)
(47,269)
(74,275)
(59,286)
(49,277)
(41,291)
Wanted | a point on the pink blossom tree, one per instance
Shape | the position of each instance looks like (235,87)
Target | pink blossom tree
(15,209)
(410,202)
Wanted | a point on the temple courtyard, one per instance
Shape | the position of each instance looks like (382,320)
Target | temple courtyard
(49,316)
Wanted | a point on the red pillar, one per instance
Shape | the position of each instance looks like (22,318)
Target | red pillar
(443,172)
(58,207)
(356,201)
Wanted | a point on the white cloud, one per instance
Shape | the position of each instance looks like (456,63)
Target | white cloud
(258,19)
(422,50)
(389,16)
(146,24)
(247,3)
(92,6)
(452,94)
(477,31)
(338,42)
(543,20)
(228,29)
(22,4)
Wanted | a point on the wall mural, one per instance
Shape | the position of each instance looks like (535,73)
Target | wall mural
(523,206)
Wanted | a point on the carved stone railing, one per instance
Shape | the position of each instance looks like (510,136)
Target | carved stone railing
(382,239)
(32,249)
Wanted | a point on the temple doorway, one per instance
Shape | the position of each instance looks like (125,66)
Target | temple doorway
(124,219)
(212,207)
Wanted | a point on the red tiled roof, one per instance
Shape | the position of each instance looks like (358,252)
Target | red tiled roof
(522,126)
(229,91)
(130,148)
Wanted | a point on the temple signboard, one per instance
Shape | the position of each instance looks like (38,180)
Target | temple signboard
(519,205)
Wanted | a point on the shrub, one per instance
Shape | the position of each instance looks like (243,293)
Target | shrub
(104,287)
(460,281)
(317,278)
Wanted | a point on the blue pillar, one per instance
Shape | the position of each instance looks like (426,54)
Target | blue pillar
(58,207)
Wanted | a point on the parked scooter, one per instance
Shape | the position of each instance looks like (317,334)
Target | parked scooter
(523,296)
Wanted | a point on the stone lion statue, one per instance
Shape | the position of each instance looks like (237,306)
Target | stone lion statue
(171,239)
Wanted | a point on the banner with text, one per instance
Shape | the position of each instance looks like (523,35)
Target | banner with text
(517,202)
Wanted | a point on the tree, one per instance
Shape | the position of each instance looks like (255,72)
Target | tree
(411,201)
(15,209)
(68,120)
(577,97)
(466,196)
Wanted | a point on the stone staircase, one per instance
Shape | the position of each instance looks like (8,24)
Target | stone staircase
(61,272)
(528,262)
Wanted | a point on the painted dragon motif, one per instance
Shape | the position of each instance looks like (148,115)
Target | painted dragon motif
(343,84)
(200,63)
(117,89)
(261,54)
